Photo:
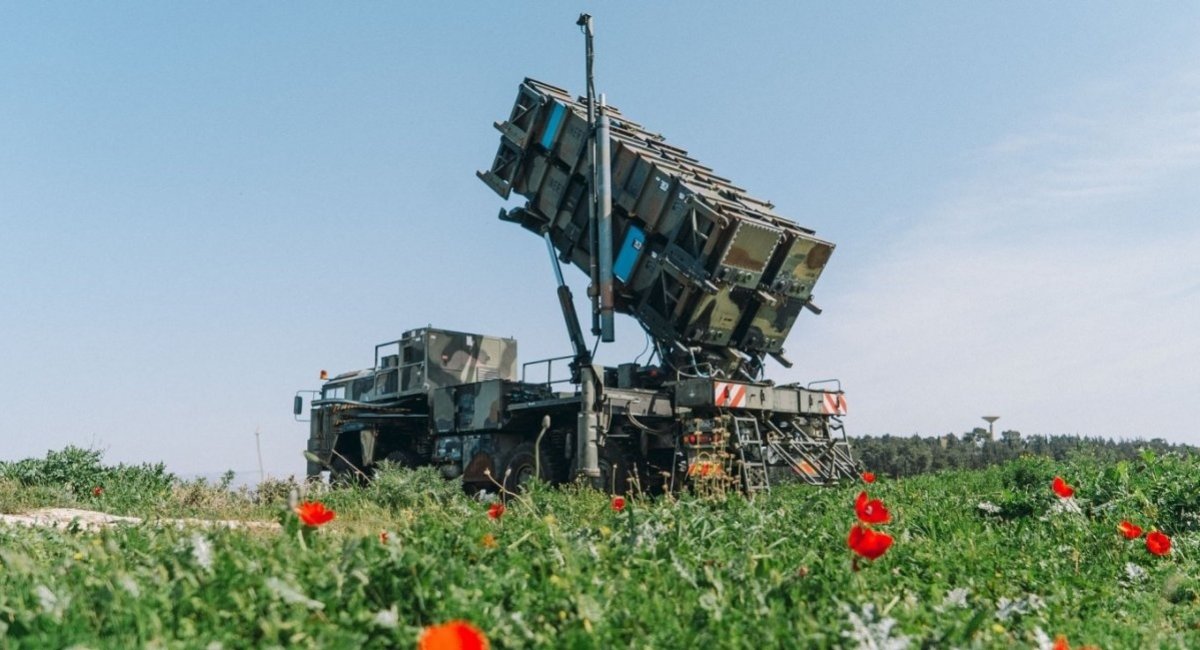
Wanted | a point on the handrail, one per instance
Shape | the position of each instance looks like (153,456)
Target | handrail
(397,343)
(827,381)
(549,370)
(398,371)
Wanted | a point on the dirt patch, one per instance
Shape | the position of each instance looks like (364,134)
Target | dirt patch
(93,520)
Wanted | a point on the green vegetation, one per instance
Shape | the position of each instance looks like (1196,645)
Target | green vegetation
(77,478)
(988,558)
(898,456)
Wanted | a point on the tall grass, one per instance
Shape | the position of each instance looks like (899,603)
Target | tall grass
(562,569)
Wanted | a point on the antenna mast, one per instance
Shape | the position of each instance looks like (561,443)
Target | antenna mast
(600,205)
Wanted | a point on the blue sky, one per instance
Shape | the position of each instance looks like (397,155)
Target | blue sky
(203,205)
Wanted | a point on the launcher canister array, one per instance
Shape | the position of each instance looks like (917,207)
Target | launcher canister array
(700,263)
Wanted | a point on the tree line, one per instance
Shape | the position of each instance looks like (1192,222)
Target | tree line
(910,455)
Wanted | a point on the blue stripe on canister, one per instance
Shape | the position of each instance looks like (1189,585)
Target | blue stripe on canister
(631,250)
(556,117)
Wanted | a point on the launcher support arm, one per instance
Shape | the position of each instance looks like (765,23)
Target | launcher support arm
(566,302)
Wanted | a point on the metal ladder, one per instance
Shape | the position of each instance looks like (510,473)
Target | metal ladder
(840,455)
(753,464)
(818,461)
(802,455)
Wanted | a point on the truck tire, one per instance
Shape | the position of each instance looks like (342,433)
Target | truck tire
(401,458)
(343,473)
(617,468)
(522,465)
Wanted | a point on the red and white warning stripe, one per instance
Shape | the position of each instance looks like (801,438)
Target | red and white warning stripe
(729,395)
(834,404)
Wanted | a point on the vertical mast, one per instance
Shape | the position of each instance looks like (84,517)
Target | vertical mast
(587,432)
(585,24)
(600,204)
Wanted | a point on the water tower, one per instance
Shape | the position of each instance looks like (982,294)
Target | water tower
(991,420)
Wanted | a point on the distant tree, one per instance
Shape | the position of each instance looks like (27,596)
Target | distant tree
(910,455)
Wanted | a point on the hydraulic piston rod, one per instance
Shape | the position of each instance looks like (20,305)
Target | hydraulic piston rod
(604,225)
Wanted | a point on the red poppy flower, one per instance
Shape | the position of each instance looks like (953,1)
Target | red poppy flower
(1129,530)
(314,513)
(1061,488)
(868,543)
(496,510)
(872,511)
(455,635)
(383,537)
(868,477)
(1060,643)
(618,504)
(97,491)
(1158,543)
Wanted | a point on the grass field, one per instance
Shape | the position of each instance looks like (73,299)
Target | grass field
(992,558)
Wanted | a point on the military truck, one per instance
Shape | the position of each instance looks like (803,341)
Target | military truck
(715,277)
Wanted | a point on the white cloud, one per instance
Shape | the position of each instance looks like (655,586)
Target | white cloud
(1056,287)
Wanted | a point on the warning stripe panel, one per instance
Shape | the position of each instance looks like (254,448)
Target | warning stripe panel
(834,404)
(729,394)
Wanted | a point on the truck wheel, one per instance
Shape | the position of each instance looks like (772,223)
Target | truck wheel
(344,473)
(401,459)
(522,465)
(617,467)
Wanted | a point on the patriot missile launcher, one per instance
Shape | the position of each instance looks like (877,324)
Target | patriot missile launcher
(715,277)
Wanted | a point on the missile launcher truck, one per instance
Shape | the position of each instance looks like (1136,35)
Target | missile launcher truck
(714,276)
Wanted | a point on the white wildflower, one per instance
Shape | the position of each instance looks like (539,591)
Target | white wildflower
(202,551)
(683,571)
(129,585)
(873,633)
(214,645)
(647,534)
(954,598)
(556,554)
(52,604)
(989,507)
(46,598)
(291,595)
(711,603)
(1134,572)
(1064,506)
(1007,608)
(1044,642)
(522,629)
(387,618)
(589,608)
(1104,507)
